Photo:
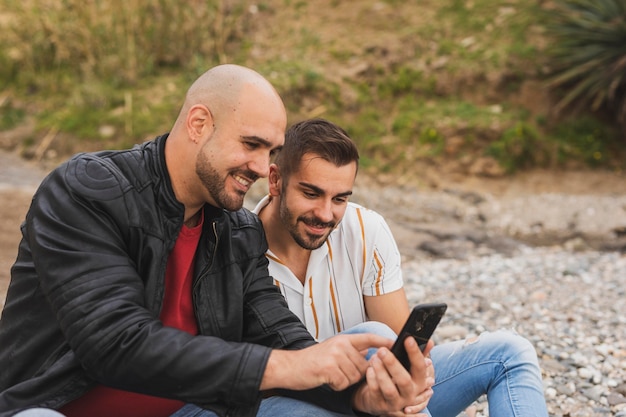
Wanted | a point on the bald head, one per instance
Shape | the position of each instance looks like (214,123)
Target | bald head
(223,88)
(231,122)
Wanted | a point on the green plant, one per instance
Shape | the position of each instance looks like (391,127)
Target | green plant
(518,147)
(10,116)
(404,80)
(431,139)
(585,139)
(368,129)
(589,55)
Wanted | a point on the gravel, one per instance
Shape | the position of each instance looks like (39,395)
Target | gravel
(481,255)
(550,266)
(569,305)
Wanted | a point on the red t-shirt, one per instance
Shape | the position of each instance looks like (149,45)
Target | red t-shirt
(177,311)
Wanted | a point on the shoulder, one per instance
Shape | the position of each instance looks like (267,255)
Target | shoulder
(83,175)
(246,232)
(362,226)
(102,175)
(243,218)
(362,218)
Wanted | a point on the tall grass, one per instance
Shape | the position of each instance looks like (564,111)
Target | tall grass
(115,40)
(444,82)
(99,69)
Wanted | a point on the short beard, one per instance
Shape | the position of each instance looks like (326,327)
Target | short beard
(291,224)
(216,186)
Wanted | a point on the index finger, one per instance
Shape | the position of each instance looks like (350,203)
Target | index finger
(362,341)
(416,357)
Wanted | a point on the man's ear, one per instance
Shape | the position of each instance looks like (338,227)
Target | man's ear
(274,180)
(199,122)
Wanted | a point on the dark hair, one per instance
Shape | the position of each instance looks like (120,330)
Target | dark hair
(317,136)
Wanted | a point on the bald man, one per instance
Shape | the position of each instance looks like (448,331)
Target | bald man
(141,285)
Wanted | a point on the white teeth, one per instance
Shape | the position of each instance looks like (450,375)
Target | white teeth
(241,180)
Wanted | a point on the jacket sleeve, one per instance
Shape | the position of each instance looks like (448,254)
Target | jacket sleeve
(269,322)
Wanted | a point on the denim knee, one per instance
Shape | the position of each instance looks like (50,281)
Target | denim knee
(374,327)
(514,347)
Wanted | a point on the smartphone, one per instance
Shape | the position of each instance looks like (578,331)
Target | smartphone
(420,325)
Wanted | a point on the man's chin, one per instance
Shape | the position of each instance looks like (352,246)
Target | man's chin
(233,204)
(235,207)
(315,241)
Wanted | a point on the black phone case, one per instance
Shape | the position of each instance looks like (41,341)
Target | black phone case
(421,325)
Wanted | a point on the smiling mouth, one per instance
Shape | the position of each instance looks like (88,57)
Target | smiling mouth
(318,228)
(243,181)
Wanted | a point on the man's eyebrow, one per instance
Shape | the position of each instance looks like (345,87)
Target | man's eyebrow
(318,190)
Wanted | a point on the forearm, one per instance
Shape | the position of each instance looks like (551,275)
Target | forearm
(325,373)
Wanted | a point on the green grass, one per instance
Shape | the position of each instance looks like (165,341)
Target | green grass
(115,72)
(10,116)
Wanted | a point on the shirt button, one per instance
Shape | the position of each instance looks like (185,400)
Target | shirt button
(309,301)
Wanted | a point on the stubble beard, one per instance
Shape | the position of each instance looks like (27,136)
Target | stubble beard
(216,185)
(304,240)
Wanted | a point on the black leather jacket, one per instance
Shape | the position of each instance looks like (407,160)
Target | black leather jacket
(87,288)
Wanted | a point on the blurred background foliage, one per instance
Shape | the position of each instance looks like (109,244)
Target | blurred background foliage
(486,87)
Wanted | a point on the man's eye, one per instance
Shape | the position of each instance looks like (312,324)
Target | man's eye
(251,145)
(310,195)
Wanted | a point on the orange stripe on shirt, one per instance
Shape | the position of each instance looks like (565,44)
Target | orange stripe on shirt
(335,307)
(379,276)
(330,251)
(317,327)
(273,258)
(358,213)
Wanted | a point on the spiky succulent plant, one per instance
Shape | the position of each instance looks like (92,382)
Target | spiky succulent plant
(588,54)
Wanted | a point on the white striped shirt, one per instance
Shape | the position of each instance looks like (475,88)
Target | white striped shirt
(360,257)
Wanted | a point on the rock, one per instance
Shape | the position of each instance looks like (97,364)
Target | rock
(615,398)
(451,332)
(486,167)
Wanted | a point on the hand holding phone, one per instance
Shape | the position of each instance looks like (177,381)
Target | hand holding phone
(420,325)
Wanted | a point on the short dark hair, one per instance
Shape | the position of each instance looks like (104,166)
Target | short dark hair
(317,136)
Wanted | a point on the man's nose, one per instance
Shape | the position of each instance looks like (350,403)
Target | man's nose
(324,210)
(260,164)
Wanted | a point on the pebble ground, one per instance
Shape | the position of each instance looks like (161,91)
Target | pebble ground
(570,305)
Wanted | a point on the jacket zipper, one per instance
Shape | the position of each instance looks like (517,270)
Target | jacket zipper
(210,265)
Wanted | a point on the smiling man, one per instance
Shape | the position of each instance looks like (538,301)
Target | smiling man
(141,285)
(338,266)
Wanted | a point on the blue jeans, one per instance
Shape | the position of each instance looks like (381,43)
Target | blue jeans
(283,406)
(270,407)
(503,365)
